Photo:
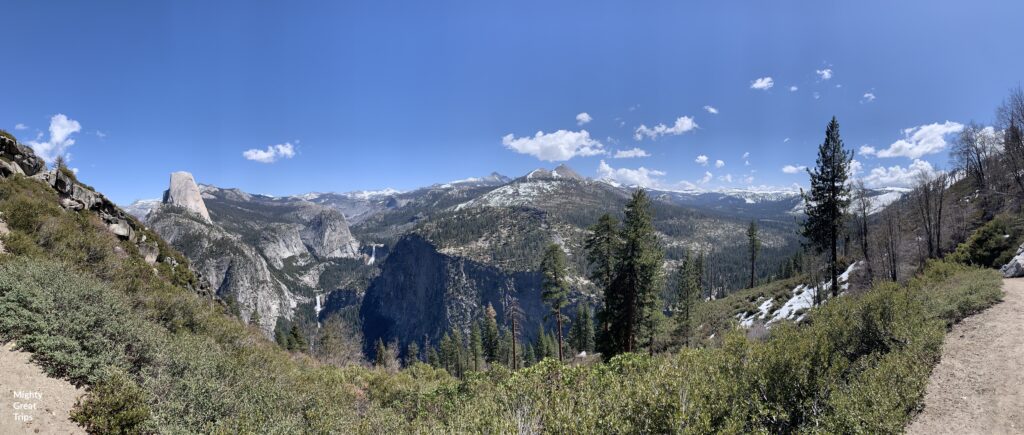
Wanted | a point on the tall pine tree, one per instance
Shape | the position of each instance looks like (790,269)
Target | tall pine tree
(688,294)
(828,199)
(753,248)
(633,292)
(555,288)
(581,335)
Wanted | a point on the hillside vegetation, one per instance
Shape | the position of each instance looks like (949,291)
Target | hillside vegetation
(158,358)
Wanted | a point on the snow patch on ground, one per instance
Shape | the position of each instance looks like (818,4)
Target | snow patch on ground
(801,300)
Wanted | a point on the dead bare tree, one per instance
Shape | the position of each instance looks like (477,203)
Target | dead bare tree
(972,152)
(929,197)
(1010,119)
(861,210)
(890,240)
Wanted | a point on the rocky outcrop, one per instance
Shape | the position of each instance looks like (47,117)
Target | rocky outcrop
(1015,268)
(183,192)
(75,196)
(19,159)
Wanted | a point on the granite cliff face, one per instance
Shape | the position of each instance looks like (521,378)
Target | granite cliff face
(267,255)
(421,293)
(184,193)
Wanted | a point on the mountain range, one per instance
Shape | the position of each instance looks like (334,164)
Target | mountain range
(408,266)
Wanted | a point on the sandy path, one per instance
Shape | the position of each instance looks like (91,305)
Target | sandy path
(45,403)
(978,387)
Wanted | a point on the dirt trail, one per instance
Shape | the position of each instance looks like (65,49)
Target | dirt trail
(30,401)
(978,387)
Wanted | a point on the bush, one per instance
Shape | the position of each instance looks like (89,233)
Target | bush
(114,405)
(992,244)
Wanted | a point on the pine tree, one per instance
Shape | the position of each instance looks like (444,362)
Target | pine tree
(490,334)
(296,342)
(412,354)
(828,199)
(688,294)
(380,354)
(581,335)
(433,358)
(476,347)
(601,245)
(254,317)
(754,247)
(632,294)
(555,288)
(529,356)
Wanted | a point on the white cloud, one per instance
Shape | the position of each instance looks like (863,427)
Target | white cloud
(272,154)
(558,146)
(701,160)
(746,154)
(706,178)
(763,83)
(921,140)
(20,126)
(726,178)
(817,95)
(791,169)
(682,125)
(868,150)
(719,163)
(629,154)
(583,118)
(898,176)
(824,74)
(793,88)
(100,134)
(855,167)
(711,110)
(641,176)
(868,97)
(785,140)
(61,129)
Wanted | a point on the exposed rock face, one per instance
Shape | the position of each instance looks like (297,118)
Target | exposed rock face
(75,196)
(267,254)
(19,159)
(422,293)
(234,269)
(1015,268)
(184,193)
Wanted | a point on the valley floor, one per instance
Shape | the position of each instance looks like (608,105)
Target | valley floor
(45,405)
(978,387)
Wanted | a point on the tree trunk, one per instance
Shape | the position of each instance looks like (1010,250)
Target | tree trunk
(558,321)
(513,332)
(832,266)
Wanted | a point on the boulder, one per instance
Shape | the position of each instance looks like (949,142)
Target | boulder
(1015,268)
(21,155)
(184,192)
(8,169)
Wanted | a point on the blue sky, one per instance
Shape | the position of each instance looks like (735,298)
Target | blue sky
(365,95)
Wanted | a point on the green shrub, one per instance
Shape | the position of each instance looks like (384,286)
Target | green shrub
(114,405)
(992,244)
